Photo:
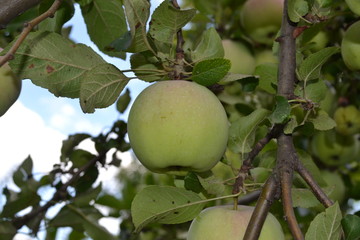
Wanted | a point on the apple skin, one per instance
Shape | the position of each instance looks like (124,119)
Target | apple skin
(10,86)
(350,47)
(334,150)
(265,56)
(333,179)
(261,19)
(178,126)
(354,6)
(222,222)
(347,120)
(242,61)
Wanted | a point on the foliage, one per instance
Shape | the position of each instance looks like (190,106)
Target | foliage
(149,204)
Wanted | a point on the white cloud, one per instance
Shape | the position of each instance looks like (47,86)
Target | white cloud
(23,133)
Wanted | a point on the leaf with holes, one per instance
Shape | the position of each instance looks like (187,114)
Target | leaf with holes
(54,62)
(164,204)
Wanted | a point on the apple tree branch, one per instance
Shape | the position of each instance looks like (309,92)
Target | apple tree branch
(27,29)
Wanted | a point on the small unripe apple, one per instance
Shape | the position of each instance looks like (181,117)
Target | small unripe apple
(354,6)
(347,120)
(319,41)
(223,222)
(265,56)
(350,47)
(10,86)
(242,60)
(178,126)
(334,180)
(261,19)
(334,150)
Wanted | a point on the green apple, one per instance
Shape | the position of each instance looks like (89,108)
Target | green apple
(354,6)
(265,56)
(350,47)
(10,86)
(242,60)
(223,222)
(347,120)
(261,19)
(178,126)
(335,181)
(334,150)
(319,41)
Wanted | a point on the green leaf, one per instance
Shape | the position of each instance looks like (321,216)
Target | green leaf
(309,164)
(70,143)
(15,202)
(281,112)
(61,16)
(108,16)
(147,67)
(209,47)
(291,125)
(310,68)
(80,157)
(242,131)
(297,9)
(7,230)
(137,14)
(167,20)
(192,183)
(322,121)
(315,90)
(123,101)
(211,183)
(164,204)
(350,224)
(54,62)
(303,197)
(326,225)
(101,87)
(23,172)
(67,217)
(110,201)
(211,71)
(267,77)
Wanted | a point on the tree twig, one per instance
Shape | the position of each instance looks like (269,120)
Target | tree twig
(246,165)
(261,210)
(285,165)
(59,195)
(10,9)
(27,29)
(314,187)
(179,58)
(286,154)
